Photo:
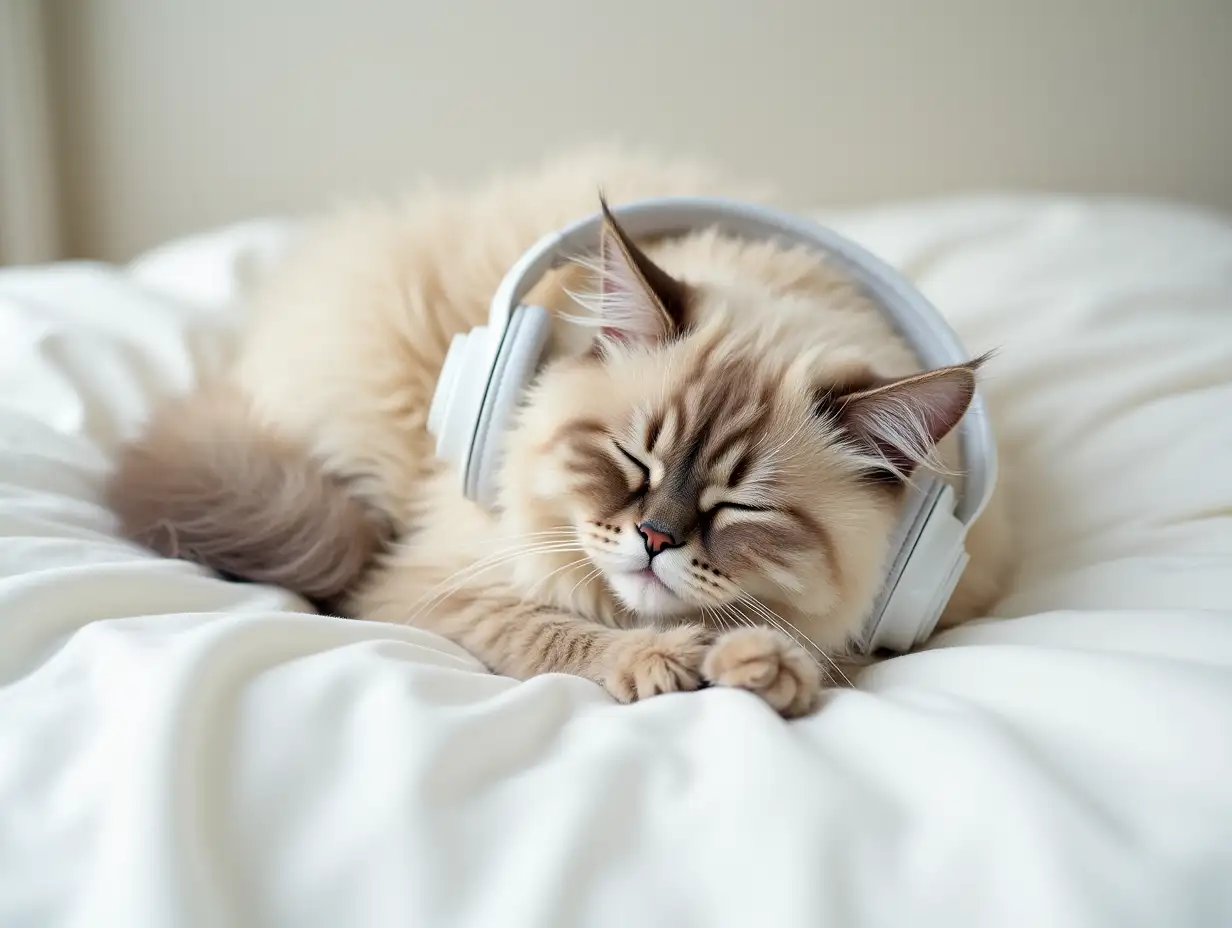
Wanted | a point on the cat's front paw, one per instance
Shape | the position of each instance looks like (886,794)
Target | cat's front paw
(648,662)
(769,664)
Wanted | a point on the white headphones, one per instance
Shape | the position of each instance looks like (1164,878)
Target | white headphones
(487,369)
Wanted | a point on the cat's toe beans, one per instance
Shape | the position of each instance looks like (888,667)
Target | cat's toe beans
(767,663)
(649,663)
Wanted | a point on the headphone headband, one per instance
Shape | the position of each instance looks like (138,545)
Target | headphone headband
(487,369)
(928,334)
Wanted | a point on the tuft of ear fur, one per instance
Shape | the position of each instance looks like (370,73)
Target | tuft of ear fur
(208,482)
(897,424)
(637,300)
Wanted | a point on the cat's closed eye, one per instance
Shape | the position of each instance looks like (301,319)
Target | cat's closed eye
(643,469)
(734,506)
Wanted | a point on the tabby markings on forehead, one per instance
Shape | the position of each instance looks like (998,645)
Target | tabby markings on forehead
(714,421)
(573,431)
(587,427)
(654,428)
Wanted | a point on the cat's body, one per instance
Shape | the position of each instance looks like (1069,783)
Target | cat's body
(733,405)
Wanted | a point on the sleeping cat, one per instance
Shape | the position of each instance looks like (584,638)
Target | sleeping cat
(699,489)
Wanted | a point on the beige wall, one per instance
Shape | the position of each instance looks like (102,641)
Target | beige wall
(174,116)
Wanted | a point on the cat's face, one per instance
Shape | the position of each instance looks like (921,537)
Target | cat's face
(709,480)
(706,476)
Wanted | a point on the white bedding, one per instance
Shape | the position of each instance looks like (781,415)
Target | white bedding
(177,750)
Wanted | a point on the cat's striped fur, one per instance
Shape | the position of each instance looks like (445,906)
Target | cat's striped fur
(700,487)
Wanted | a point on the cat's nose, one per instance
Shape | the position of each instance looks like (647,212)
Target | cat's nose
(656,539)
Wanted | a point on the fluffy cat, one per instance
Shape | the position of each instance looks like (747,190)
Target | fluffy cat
(700,487)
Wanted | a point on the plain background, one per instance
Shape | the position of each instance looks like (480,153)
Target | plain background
(173,117)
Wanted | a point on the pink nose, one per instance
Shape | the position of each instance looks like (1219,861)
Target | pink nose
(655,539)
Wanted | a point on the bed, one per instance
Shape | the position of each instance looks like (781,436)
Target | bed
(179,750)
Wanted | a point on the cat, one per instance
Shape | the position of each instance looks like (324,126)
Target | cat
(699,488)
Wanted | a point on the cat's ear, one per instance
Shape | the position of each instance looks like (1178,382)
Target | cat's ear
(899,423)
(638,300)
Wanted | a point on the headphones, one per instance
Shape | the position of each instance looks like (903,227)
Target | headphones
(487,369)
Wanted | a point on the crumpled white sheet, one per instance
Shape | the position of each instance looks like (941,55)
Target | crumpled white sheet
(176,750)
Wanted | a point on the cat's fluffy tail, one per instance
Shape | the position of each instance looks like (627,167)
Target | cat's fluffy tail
(208,482)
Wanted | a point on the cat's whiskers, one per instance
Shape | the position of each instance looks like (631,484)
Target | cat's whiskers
(794,632)
(594,571)
(547,533)
(784,628)
(624,611)
(460,577)
(437,595)
(548,576)
(519,547)
(710,613)
(455,581)
(789,633)
(732,618)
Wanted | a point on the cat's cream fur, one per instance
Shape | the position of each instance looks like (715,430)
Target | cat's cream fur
(715,362)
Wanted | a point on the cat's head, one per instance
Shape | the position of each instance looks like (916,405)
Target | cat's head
(710,467)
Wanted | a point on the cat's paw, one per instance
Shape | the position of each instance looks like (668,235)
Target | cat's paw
(769,664)
(648,662)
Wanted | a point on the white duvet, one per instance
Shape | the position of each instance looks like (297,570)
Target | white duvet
(177,750)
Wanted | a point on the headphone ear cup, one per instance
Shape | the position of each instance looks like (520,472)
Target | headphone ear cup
(517,360)
(922,575)
(458,400)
